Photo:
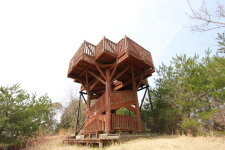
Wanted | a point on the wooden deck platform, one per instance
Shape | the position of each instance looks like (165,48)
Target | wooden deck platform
(88,142)
(104,139)
(106,55)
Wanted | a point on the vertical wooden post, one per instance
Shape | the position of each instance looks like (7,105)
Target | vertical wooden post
(103,43)
(88,98)
(125,43)
(107,103)
(136,98)
(78,117)
(88,91)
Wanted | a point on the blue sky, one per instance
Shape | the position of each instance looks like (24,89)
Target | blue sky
(38,38)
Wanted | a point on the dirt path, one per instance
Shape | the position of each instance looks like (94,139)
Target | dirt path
(154,143)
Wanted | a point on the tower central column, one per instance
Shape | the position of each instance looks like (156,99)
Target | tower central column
(107,103)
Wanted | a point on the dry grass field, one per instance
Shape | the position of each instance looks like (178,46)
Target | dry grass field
(154,143)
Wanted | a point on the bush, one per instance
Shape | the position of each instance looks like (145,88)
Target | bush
(191,126)
(21,115)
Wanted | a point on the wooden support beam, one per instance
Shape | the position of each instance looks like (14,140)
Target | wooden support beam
(134,66)
(96,77)
(100,92)
(131,109)
(118,100)
(113,72)
(133,79)
(99,69)
(136,97)
(107,103)
(106,65)
(114,64)
(88,91)
(121,73)
(83,84)
(128,82)
(88,96)
(95,116)
(85,70)
(93,83)
(140,81)
(82,88)
(90,113)
(77,117)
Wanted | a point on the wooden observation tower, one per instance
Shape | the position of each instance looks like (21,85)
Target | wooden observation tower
(111,74)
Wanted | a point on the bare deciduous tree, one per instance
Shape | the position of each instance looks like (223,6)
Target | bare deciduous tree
(73,111)
(208,18)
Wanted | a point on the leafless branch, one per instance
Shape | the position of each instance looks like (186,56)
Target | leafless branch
(210,18)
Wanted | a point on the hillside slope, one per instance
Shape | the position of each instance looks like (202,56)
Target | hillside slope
(154,143)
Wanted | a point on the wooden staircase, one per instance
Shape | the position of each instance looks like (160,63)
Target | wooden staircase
(95,119)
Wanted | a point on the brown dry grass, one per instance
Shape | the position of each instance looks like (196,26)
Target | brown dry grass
(173,142)
(154,143)
(53,143)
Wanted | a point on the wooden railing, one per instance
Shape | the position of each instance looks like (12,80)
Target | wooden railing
(129,45)
(110,46)
(98,104)
(146,56)
(121,46)
(106,45)
(99,47)
(91,51)
(134,47)
(126,95)
(76,56)
(85,49)
(124,122)
(96,125)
